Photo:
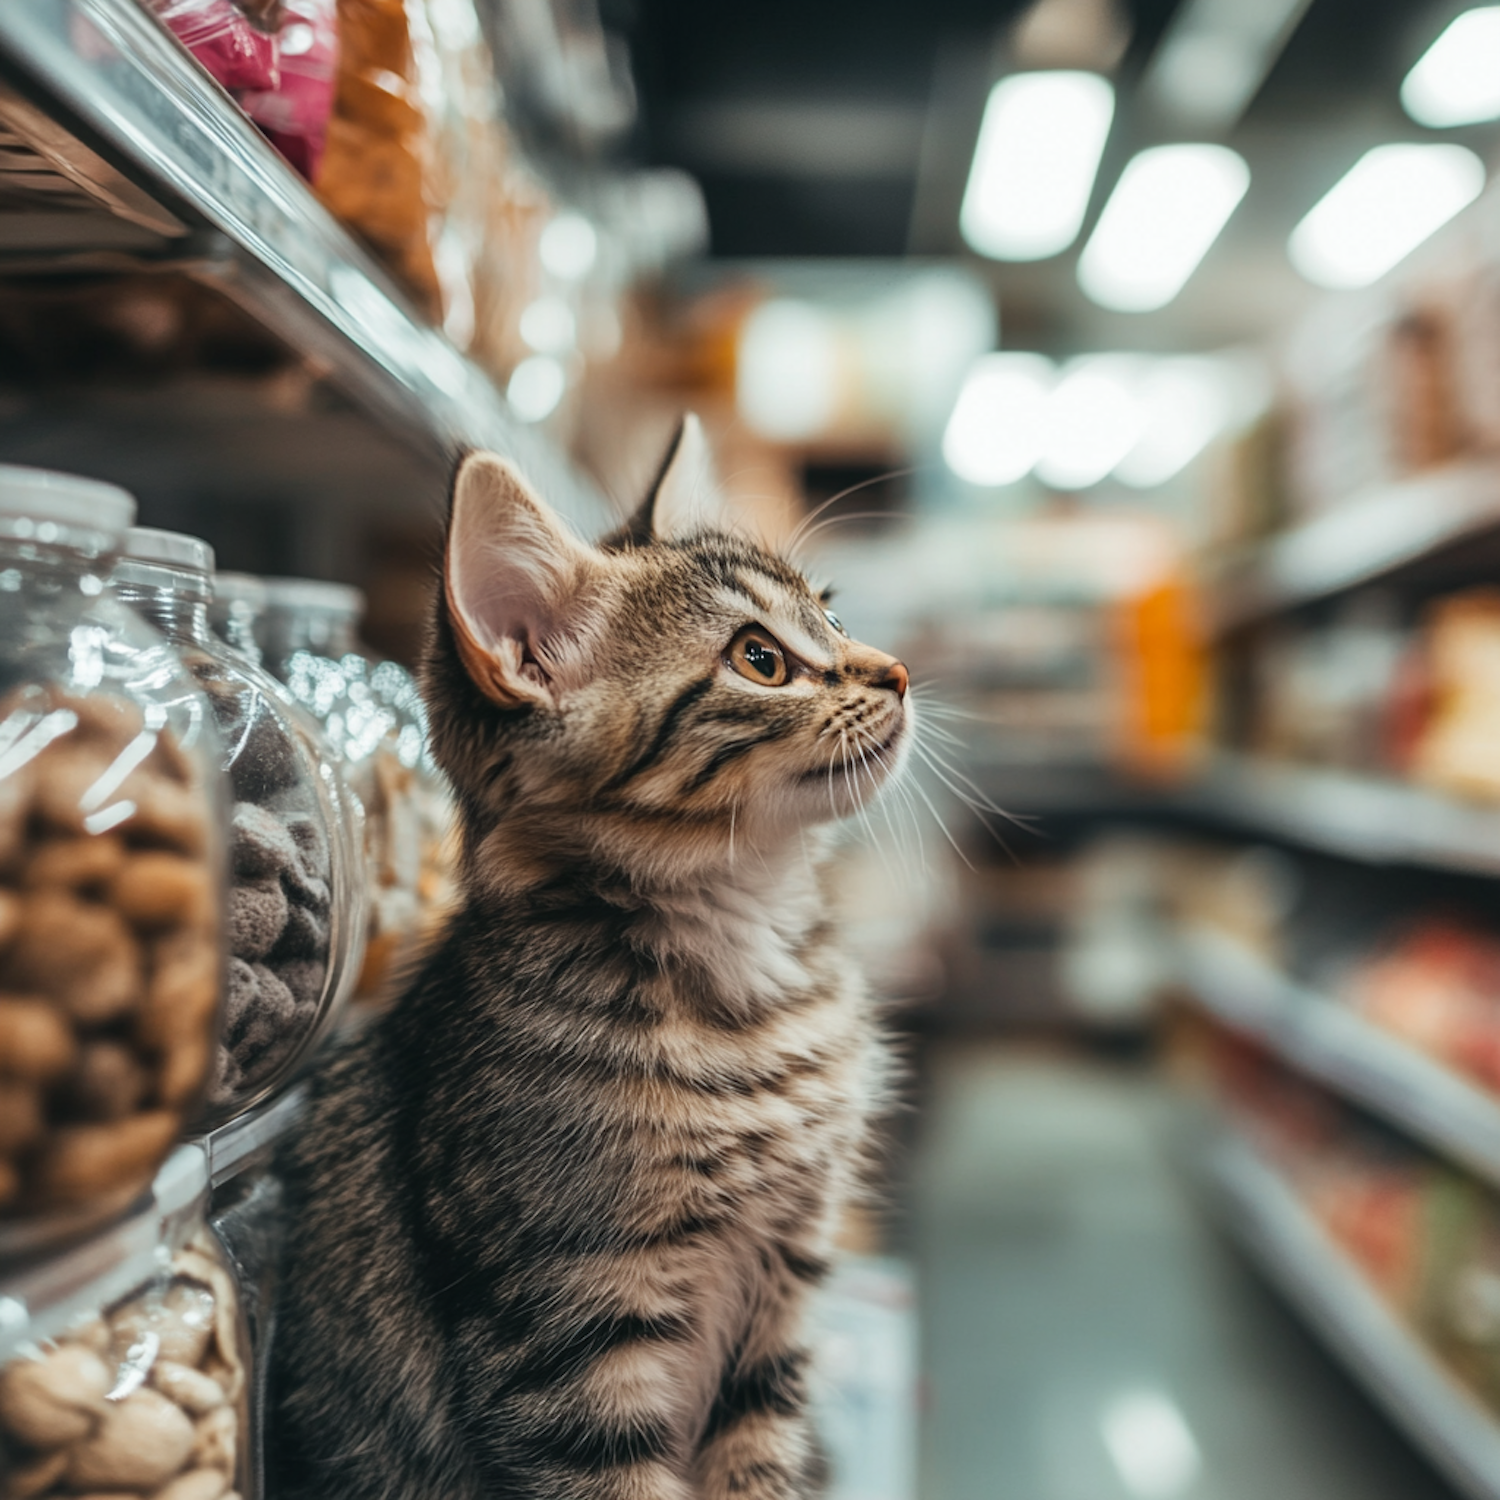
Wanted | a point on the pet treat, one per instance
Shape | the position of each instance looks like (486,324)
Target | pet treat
(148,1400)
(108,895)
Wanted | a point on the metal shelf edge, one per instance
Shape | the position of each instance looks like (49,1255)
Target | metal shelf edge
(111,67)
(1437,1413)
(1325,1040)
(1371,536)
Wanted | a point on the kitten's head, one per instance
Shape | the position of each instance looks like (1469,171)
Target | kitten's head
(652,699)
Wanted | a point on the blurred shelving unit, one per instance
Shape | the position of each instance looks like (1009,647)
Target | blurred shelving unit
(1331,1043)
(1265,1217)
(1371,536)
(1358,817)
(118,152)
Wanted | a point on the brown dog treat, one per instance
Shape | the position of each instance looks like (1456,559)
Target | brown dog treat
(68,776)
(182,993)
(58,1398)
(181,1319)
(195,1392)
(161,890)
(78,953)
(256,918)
(10,917)
(80,1162)
(15,808)
(104,716)
(141,1443)
(75,864)
(217,1441)
(108,1083)
(168,815)
(183,1072)
(36,1043)
(37,1477)
(20,1116)
(196,1484)
(259,843)
(10,1181)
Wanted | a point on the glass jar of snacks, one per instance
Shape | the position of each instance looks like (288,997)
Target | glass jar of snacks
(375,719)
(295,918)
(124,1367)
(235,612)
(112,856)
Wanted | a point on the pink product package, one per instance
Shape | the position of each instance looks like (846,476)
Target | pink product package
(294,117)
(223,40)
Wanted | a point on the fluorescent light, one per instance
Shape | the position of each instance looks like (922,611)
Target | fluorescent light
(536,386)
(1093,419)
(1387,203)
(994,435)
(1457,80)
(1184,403)
(568,247)
(1034,164)
(1166,210)
(548,325)
(1151,1445)
(787,369)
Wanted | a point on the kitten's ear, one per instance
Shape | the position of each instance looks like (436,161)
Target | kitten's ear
(513,577)
(685,497)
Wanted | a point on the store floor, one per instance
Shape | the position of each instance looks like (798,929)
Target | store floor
(1087,1336)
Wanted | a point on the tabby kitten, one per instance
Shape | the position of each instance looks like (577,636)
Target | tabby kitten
(556,1214)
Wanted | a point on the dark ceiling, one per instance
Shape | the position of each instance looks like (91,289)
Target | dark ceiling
(834,128)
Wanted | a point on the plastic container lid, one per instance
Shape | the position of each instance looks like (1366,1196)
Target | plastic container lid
(313,594)
(243,588)
(66,499)
(172,549)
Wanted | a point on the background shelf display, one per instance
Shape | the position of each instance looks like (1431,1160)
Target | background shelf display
(165,170)
(1371,536)
(1333,1044)
(1359,817)
(1264,1216)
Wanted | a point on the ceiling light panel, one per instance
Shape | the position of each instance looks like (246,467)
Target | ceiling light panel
(1457,80)
(1165,212)
(1387,203)
(1093,419)
(994,436)
(1035,162)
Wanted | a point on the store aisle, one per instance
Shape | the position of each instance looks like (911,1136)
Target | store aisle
(1087,1336)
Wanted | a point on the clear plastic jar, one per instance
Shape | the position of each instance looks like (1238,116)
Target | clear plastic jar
(295,915)
(375,720)
(112,858)
(236,609)
(124,1364)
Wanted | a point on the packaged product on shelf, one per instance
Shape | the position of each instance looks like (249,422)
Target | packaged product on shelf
(236,43)
(295,920)
(374,718)
(126,1371)
(1456,752)
(294,114)
(111,871)
(416,155)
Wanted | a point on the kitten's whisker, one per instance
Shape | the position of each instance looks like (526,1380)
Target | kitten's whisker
(864,484)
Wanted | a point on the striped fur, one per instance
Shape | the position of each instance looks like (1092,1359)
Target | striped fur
(559,1210)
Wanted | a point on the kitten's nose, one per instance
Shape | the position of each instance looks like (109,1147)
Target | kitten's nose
(896,678)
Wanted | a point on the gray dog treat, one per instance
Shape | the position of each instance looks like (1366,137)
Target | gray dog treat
(259,843)
(304,936)
(257,916)
(304,978)
(266,1019)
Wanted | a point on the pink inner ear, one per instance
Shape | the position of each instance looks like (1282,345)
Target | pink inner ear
(515,577)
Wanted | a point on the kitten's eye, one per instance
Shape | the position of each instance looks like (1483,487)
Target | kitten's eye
(756,654)
(837,623)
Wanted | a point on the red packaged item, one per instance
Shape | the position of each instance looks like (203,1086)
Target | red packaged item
(294,117)
(221,37)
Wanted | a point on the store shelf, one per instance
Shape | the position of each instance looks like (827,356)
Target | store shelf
(159,166)
(1327,1041)
(1374,535)
(1263,1214)
(1357,817)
